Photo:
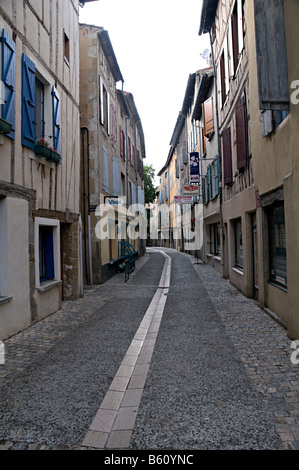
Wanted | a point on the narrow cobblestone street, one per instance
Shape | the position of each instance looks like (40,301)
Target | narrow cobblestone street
(189,365)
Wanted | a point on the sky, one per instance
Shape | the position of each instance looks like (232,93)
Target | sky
(157,46)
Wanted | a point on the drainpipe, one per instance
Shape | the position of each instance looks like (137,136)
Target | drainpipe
(127,165)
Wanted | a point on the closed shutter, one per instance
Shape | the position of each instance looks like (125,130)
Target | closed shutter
(8,79)
(121,141)
(208,116)
(56,120)
(227,156)
(241,133)
(115,170)
(105,170)
(28,103)
(271,55)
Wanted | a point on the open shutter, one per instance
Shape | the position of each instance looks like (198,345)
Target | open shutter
(216,176)
(208,116)
(8,79)
(28,103)
(227,156)
(209,183)
(271,55)
(121,142)
(101,93)
(203,190)
(56,120)
(241,133)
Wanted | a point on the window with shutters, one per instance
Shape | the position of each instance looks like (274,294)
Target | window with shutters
(227,156)
(241,133)
(8,53)
(277,244)
(208,117)
(47,251)
(40,108)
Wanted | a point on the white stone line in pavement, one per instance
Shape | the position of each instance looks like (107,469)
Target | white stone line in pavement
(113,425)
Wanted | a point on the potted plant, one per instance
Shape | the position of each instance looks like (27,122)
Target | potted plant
(5,127)
(42,148)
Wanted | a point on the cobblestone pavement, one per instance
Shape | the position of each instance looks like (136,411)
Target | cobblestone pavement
(264,348)
(261,344)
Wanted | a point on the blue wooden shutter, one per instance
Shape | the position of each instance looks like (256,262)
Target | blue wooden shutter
(8,79)
(28,103)
(56,120)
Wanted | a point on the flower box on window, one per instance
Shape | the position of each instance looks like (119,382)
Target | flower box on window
(54,156)
(42,148)
(5,127)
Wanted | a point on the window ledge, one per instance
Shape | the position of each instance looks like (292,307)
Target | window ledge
(46,285)
(279,286)
(5,299)
(238,270)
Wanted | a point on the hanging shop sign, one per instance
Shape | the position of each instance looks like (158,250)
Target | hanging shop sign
(183,199)
(194,167)
(191,189)
(114,201)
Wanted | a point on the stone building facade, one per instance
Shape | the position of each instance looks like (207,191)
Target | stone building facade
(39,186)
(112,153)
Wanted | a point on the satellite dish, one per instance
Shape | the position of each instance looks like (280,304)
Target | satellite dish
(206,53)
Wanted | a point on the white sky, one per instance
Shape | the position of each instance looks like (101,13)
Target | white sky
(157,46)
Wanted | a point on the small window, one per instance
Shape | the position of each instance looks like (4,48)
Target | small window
(46,254)
(238,244)
(66,48)
(277,245)
(272,119)
(215,239)
(47,251)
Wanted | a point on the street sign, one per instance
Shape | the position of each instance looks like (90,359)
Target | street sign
(194,167)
